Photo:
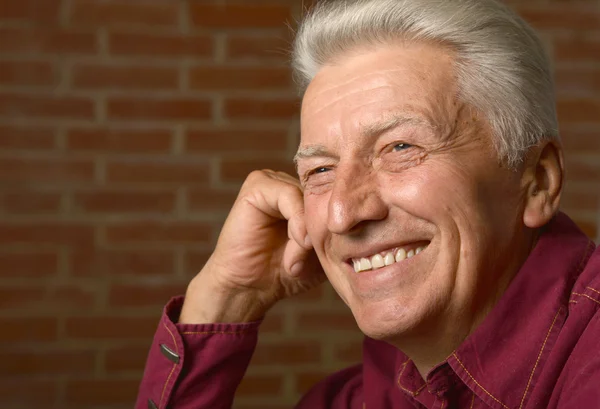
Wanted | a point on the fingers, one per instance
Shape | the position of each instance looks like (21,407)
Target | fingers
(300,263)
(279,195)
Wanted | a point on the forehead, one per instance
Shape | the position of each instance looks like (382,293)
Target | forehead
(370,85)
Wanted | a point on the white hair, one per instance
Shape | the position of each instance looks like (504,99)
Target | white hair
(501,66)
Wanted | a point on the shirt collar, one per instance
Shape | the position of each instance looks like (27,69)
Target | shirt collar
(500,360)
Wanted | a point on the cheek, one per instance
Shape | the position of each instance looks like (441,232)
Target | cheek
(432,193)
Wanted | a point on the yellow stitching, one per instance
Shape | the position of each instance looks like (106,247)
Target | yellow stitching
(573,301)
(443,404)
(539,357)
(477,383)
(162,395)
(472,400)
(593,289)
(587,296)
(216,332)
(402,387)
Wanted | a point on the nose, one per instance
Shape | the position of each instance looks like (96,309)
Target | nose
(355,200)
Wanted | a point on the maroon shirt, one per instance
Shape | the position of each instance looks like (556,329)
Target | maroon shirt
(538,348)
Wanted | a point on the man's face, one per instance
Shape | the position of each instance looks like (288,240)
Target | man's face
(392,165)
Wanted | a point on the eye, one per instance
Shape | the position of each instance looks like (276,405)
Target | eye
(401,147)
(322,169)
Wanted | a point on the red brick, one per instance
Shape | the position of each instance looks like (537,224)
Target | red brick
(22,393)
(589,228)
(236,170)
(236,139)
(45,106)
(154,45)
(72,297)
(156,295)
(28,329)
(561,17)
(304,381)
(240,78)
(159,232)
(287,353)
(580,141)
(583,172)
(579,110)
(45,170)
(48,362)
(115,12)
(26,137)
(239,15)
(195,260)
(111,327)
(34,263)
(20,297)
(124,201)
(582,200)
(119,140)
(579,49)
(30,10)
(121,263)
(273,323)
(311,296)
(327,321)
(257,47)
(128,358)
(95,76)
(29,202)
(99,392)
(348,351)
(574,80)
(172,172)
(45,232)
(204,199)
(249,108)
(48,41)
(15,72)
(257,385)
(159,109)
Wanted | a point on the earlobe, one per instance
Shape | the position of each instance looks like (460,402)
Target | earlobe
(544,181)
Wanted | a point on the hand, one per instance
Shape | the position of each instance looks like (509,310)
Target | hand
(263,255)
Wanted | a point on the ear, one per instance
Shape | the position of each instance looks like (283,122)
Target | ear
(543,183)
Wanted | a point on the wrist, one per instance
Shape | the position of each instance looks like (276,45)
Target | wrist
(206,303)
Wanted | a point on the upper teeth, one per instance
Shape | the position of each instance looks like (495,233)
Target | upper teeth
(378,261)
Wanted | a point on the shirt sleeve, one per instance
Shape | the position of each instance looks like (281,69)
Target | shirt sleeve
(201,366)
(195,366)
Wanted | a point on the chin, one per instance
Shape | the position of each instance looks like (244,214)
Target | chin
(386,321)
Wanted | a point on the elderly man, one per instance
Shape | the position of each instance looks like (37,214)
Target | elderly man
(430,174)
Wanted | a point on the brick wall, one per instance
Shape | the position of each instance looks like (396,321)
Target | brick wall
(126,128)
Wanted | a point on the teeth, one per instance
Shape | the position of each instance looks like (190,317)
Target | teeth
(400,255)
(378,261)
(365,264)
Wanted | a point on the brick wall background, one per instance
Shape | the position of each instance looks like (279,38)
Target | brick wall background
(126,128)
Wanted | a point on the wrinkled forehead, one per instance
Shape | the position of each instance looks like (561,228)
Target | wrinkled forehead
(365,89)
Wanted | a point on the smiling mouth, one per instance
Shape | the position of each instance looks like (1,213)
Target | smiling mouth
(384,259)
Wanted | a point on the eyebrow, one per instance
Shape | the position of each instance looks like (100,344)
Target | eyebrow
(368,131)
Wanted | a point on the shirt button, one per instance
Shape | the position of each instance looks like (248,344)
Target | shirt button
(151,404)
(169,354)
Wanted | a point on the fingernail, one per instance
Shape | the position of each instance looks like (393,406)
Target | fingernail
(297,268)
(307,241)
